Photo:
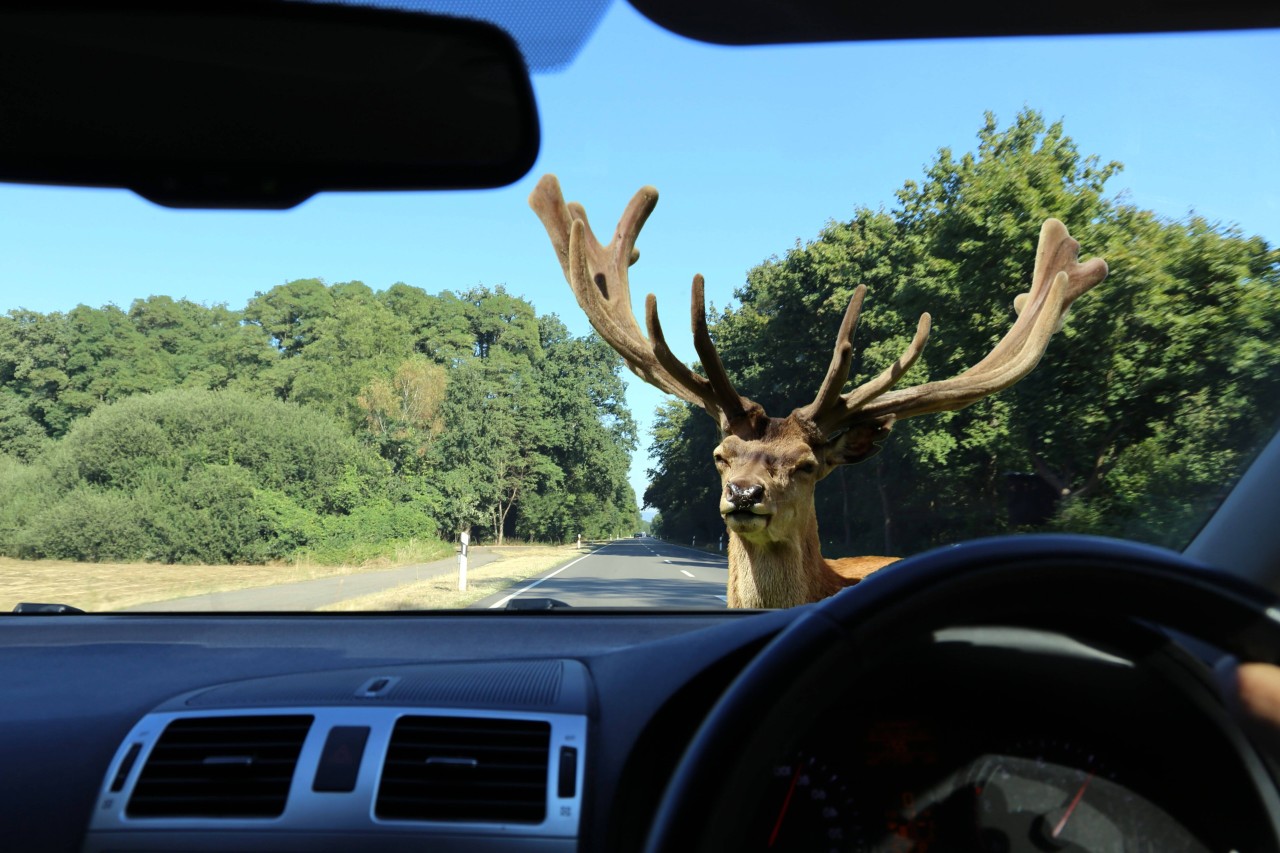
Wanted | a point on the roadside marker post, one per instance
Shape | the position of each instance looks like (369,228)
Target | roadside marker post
(465,539)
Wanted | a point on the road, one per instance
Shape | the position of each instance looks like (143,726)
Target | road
(630,573)
(624,573)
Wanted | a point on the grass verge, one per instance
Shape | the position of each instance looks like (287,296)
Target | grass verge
(514,565)
(98,587)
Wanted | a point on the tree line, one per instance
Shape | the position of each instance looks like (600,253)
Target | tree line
(320,419)
(337,421)
(1148,403)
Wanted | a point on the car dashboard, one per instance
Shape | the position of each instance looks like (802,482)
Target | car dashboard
(425,731)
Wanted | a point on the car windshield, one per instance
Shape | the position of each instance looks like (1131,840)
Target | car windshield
(329,408)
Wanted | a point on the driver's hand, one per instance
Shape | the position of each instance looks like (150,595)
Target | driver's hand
(1258,691)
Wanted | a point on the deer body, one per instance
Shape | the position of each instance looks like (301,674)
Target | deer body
(770,466)
(761,574)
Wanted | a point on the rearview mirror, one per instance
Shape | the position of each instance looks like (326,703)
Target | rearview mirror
(258,104)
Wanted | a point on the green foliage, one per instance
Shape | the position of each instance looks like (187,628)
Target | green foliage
(325,421)
(403,415)
(25,491)
(368,530)
(1138,417)
(59,367)
(589,437)
(192,476)
(85,523)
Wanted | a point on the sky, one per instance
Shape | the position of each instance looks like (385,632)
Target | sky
(751,149)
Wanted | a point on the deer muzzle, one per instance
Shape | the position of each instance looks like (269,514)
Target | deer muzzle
(743,497)
(744,507)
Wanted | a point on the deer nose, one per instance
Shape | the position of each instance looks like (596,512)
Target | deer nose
(743,497)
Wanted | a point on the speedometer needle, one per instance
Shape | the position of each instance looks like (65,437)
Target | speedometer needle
(782,813)
(1075,801)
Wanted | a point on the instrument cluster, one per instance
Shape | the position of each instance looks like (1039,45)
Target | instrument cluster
(998,749)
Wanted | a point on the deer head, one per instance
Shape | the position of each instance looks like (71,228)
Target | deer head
(769,466)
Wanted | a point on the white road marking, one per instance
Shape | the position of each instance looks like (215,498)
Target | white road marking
(687,574)
(723,598)
(503,601)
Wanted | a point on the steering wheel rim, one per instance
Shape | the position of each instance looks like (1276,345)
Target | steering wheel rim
(1014,580)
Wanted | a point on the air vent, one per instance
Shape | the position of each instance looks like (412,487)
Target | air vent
(225,767)
(465,769)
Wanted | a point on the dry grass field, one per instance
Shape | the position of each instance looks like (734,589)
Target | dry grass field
(110,586)
(97,587)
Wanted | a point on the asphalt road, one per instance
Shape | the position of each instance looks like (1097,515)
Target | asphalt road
(630,573)
(308,595)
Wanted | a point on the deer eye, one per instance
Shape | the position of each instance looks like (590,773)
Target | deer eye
(808,466)
(720,460)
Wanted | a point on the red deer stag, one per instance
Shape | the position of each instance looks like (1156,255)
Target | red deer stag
(770,466)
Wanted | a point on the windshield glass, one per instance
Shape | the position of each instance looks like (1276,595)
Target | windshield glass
(327,407)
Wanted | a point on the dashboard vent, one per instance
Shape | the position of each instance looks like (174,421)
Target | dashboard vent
(465,769)
(226,767)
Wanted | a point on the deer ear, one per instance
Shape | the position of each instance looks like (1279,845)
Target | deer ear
(859,442)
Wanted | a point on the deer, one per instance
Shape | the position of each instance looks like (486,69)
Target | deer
(770,466)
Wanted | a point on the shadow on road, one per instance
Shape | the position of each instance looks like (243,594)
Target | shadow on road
(638,592)
(699,564)
(672,553)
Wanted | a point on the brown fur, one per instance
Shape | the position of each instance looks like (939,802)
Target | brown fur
(855,569)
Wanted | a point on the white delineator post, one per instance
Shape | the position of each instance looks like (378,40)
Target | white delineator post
(465,539)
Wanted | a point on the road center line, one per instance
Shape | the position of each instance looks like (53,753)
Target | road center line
(687,574)
(502,602)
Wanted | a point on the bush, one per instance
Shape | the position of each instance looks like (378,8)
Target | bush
(371,531)
(89,524)
(25,492)
(190,476)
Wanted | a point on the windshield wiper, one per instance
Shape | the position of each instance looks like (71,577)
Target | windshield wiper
(535,604)
(27,608)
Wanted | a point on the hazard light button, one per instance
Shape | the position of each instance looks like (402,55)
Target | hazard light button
(340,759)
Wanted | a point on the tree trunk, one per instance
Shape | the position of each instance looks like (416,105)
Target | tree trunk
(885,509)
(844,508)
(495,520)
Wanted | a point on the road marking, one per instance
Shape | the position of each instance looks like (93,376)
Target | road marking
(687,574)
(668,562)
(503,601)
(723,598)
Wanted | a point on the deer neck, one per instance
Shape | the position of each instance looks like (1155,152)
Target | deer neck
(770,574)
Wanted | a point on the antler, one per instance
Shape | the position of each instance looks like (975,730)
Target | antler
(598,276)
(1056,282)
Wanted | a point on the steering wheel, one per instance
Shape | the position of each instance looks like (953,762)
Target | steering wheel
(1035,580)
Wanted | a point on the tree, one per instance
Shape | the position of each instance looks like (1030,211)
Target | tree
(592,442)
(684,485)
(483,412)
(404,414)
(1157,382)
(289,312)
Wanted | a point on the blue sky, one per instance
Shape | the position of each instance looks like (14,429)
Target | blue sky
(751,149)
